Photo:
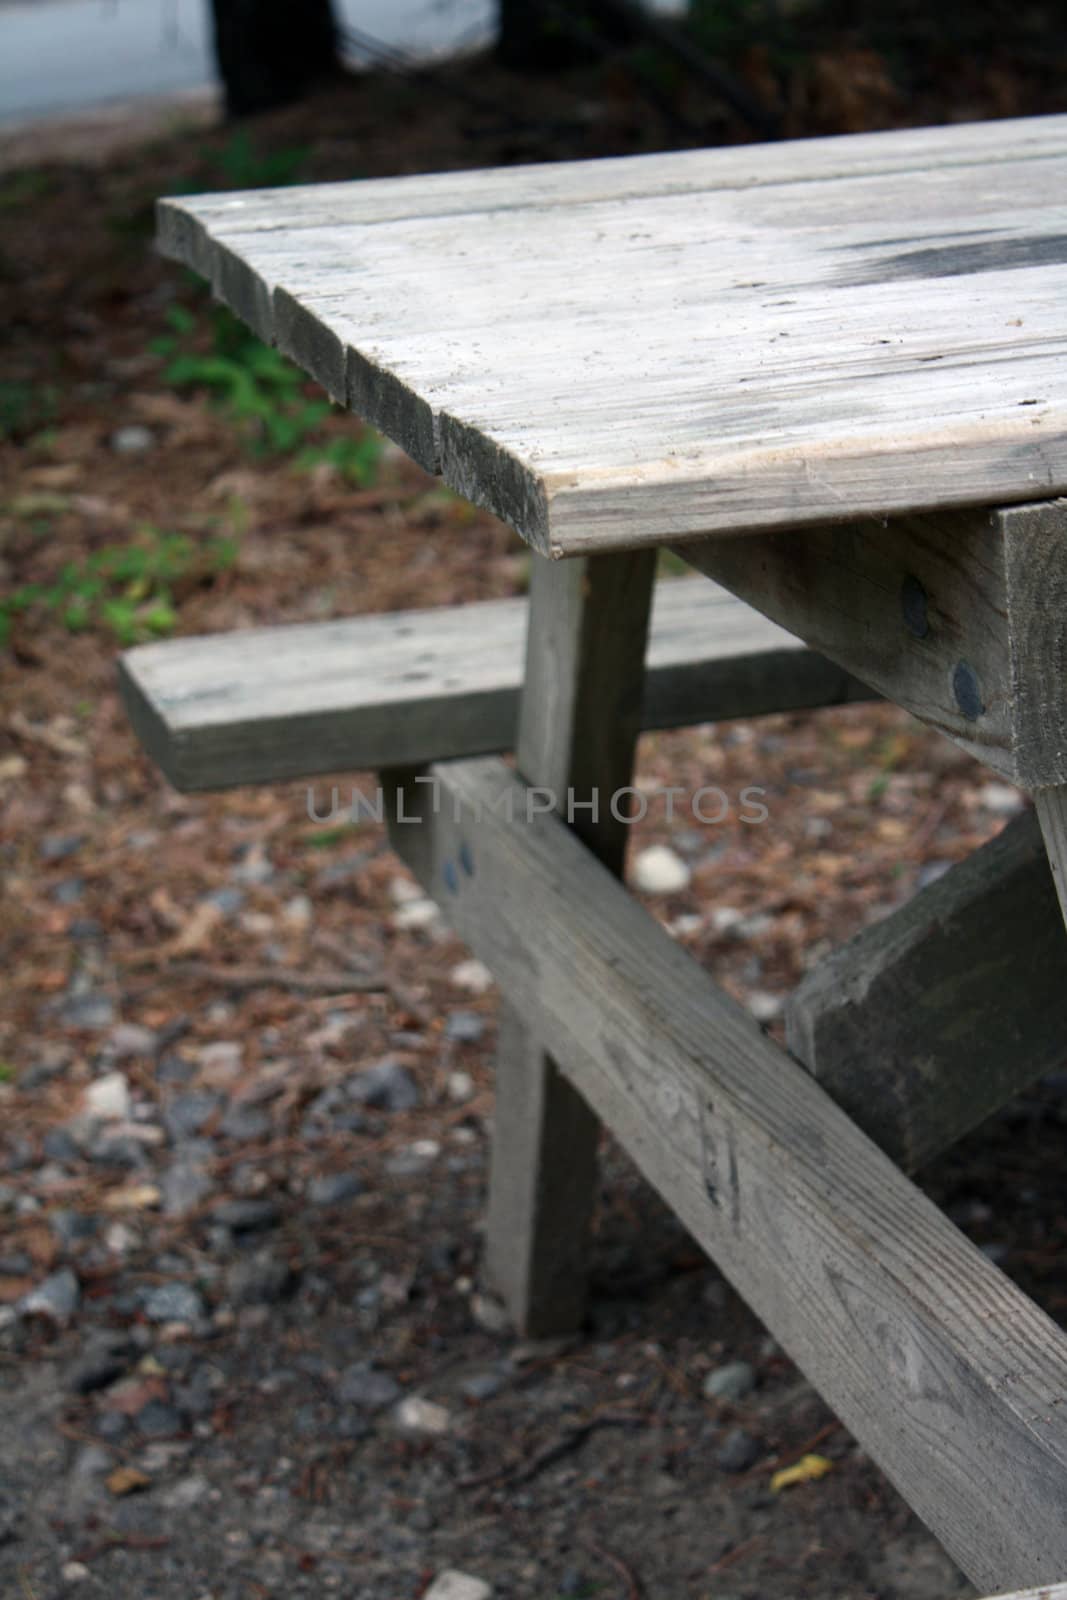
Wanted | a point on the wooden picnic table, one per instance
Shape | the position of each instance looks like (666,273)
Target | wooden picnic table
(833,375)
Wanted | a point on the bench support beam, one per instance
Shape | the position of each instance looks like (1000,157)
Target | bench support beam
(942,1369)
(579,719)
(906,1025)
(961,618)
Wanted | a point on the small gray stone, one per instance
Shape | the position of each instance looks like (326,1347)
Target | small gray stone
(363,1386)
(246,1216)
(464,1027)
(68,891)
(333,1188)
(738,1451)
(132,440)
(246,1124)
(387,1085)
(173,1302)
(100,1366)
(174,1068)
(58,846)
(259,1280)
(478,1386)
(93,1012)
(187,1113)
(84,928)
(351,1424)
(184,1184)
(131,1039)
(228,901)
(731,1382)
(111,1426)
(157,1420)
(74,1227)
(58,1145)
(55,1299)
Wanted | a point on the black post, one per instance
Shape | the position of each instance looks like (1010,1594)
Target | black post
(270,52)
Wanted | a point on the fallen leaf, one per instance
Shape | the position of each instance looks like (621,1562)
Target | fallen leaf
(807,1470)
(127,1480)
(138,1197)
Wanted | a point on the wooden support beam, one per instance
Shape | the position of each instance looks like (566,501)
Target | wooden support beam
(1051,807)
(931,1019)
(578,725)
(942,1369)
(960,618)
(409,687)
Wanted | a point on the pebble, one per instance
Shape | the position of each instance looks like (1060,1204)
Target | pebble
(298,911)
(731,1382)
(74,1227)
(220,1062)
(68,891)
(246,1216)
(764,1006)
(333,1188)
(1000,799)
(93,1012)
(479,1386)
(173,1302)
(417,916)
(157,1420)
(490,1314)
(58,846)
(74,1572)
(387,1085)
(184,1184)
(473,976)
(460,1086)
(109,1098)
(260,1280)
(464,1027)
(187,1492)
(246,1124)
(187,1113)
(452,1585)
(738,1451)
(132,440)
(361,1385)
(58,1145)
(55,1298)
(131,1039)
(658,870)
(229,900)
(416,1415)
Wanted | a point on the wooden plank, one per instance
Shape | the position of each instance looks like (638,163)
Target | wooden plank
(907,1026)
(1052,1591)
(959,618)
(579,720)
(621,353)
(940,1367)
(1051,807)
(409,687)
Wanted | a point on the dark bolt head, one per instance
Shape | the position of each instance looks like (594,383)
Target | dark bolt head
(968,691)
(913,607)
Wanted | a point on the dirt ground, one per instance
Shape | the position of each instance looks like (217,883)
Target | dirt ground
(245,1071)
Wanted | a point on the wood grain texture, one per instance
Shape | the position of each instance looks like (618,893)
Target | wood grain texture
(942,1369)
(579,718)
(1051,807)
(961,618)
(409,687)
(934,1017)
(616,353)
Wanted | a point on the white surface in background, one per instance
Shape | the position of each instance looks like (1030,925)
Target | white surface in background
(63,55)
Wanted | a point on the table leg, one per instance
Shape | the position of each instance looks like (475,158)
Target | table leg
(1051,808)
(578,727)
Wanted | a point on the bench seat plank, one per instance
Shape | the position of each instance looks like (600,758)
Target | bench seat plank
(404,688)
(620,353)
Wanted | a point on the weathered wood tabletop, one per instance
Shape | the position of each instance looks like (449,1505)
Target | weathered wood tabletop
(624,352)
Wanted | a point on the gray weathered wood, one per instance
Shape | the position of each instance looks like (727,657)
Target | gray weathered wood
(1051,807)
(934,1017)
(959,618)
(410,687)
(1052,1591)
(619,353)
(941,1367)
(579,719)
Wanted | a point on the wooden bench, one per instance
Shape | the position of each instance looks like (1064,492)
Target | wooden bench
(408,687)
(832,376)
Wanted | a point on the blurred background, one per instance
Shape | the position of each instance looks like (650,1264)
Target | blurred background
(245,1071)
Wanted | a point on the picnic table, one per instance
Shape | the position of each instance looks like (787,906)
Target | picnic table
(832,375)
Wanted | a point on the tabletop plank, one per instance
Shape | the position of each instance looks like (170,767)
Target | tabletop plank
(622,352)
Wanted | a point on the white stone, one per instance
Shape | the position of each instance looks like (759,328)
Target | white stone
(764,1006)
(109,1097)
(416,915)
(416,1415)
(457,1586)
(74,1572)
(402,891)
(684,927)
(298,911)
(659,870)
(460,1086)
(473,976)
(1000,798)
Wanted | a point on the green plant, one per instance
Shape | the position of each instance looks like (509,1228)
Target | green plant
(7,1072)
(265,395)
(245,167)
(24,408)
(128,590)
